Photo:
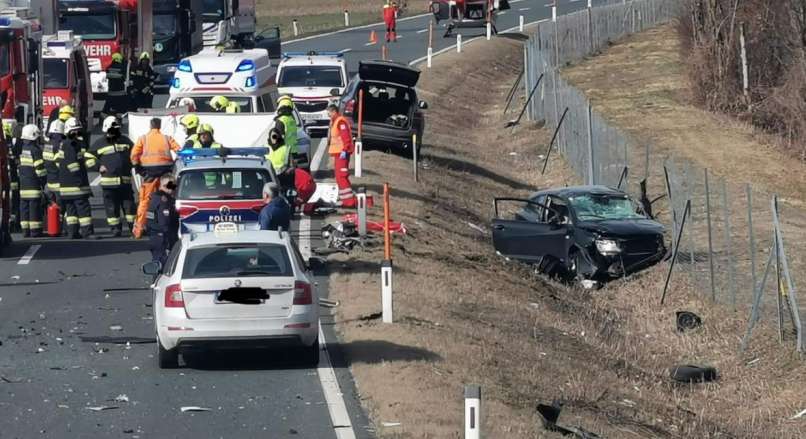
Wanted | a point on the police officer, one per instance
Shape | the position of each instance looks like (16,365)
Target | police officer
(224,105)
(111,153)
(190,122)
(116,96)
(32,176)
(74,185)
(285,116)
(162,220)
(143,77)
(205,137)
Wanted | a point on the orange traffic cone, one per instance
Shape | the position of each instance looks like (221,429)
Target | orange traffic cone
(373,38)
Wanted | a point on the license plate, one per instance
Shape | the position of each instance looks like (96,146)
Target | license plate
(310,116)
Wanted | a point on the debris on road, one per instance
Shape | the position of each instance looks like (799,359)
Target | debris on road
(550,414)
(375,226)
(10,380)
(102,408)
(115,328)
(477,228)
(328,303)
(194,408)
(121,398)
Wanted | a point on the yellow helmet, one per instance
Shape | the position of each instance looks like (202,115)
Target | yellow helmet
(189,121)
(205,128)
(219,102)
(8,128)
(285,101)
(144,55)
(66,112)
(117,57)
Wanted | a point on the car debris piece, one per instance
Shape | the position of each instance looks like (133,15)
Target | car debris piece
(102,408)
(391,424)
(376,226)
(798,415)
(687,320)
(193,408)
(121,398)
(693,374)
(115,328)
(550,414)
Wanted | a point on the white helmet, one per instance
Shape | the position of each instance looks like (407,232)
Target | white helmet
(110,122)
(30,132)
(71,125)
(188,102)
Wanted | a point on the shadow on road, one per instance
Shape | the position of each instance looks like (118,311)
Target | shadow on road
(376,351)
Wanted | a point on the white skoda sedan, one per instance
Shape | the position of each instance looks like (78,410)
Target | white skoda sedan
(231,288)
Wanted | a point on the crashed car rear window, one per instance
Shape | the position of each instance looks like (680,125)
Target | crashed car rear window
(242,260)
(222,184)
(604,207)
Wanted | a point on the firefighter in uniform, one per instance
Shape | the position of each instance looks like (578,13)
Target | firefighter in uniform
(151,158)
(223,105)
(285,116)
(111,153)
(190,122)
(116,97)
(51,152)
(163,220)
(32,176)
(205,137)
(142,78)
(340,141)
(14,146)
(74,185)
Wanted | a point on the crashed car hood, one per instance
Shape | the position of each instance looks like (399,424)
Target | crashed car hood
(624,228)
(388,71)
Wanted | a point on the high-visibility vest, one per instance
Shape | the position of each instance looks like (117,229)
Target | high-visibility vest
(336,143)
(290,136)
(279,158)
(233,107)
(156,150)
(198,145)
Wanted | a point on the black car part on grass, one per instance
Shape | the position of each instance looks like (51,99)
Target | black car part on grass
(693,374)
(687,320)
(550,414)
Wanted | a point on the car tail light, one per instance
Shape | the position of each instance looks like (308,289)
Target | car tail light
(186,211)
(349,106)
(302,293)
(173,297)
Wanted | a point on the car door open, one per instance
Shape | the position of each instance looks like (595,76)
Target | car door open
(526,237)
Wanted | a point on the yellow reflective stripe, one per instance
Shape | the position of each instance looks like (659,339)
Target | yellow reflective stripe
(73,167)
(41,172)
(85,220)
(113,221)
(74,190)
(91,162)
(48,155)
(30,193)
(26,160)
(14,185)
(109,181)
(122,147)
(39,162)
(35,224)
(54,186)
(106,150)
(71,220)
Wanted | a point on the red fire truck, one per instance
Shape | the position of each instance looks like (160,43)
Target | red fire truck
(105,27)
(66,76)
(20,88)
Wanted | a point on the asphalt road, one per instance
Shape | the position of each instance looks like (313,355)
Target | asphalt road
(55,293)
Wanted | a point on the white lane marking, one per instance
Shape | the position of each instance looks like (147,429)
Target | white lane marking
(96,181)
(422,31)
(343,51)
(339,417)
(524,9)
(370,44)
(26,258)
(453,46)
(333,395)
(502,13)
(357,28)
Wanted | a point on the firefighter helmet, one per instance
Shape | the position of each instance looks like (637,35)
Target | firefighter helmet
(8,128)
(110,122)
(219,103)
(144,55)
(189,121)
(29,132)
(66,112)
(285,101)
(117,57)
(71,125)
(206,128)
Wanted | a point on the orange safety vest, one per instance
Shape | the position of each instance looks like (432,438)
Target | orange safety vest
(336,143)
(156,149)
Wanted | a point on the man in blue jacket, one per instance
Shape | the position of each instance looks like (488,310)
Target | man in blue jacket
(277,212)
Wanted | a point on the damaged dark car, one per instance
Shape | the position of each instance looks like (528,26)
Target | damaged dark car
(584,234)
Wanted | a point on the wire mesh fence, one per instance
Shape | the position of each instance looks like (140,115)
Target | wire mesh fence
(732,230)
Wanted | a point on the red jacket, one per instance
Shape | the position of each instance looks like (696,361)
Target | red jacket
(389,13)
(304,184)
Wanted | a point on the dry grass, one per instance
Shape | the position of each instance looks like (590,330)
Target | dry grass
(465,315)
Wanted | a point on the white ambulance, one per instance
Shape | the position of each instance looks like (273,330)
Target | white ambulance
(313,80)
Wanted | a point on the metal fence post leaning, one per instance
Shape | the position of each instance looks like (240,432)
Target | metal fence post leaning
(386,266)
(414,154)
(676,249)
(591,169)
(553,138)
(472,411)
(793,306)
(361,199)
(758,291)
(710,236)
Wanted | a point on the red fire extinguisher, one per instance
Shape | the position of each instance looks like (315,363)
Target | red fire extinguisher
(54,220)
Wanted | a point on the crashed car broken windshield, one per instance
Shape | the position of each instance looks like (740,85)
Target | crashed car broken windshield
(587,234)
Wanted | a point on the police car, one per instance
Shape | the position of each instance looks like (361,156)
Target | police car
(230,289)
(312,79)
(221,185)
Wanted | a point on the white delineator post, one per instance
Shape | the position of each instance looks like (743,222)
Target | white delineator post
(472,412)
(414,157)
(554,13)
(459,43)
(359,159)
(520,24)
(489,31)
(294,25)
(386,291)
(430,55)
(361,198)
(346,18)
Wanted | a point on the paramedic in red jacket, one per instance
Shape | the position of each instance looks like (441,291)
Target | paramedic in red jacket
(390,17)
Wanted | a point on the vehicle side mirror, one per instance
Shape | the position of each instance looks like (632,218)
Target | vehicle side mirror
(152,268)
(316,264)
(335,92)
(423,105)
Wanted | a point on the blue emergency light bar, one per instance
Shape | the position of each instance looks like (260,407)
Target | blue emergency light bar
(189,154)
(287,55)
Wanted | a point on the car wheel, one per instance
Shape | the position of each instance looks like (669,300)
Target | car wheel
(310,354)
(167,358)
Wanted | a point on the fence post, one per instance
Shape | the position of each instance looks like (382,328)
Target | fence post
(710,237)
(430,50)
(346,18)
(472,411)
(745,73)
(520,24)
(489,31)
(359,144)
(791,294)
(294,25)
(414,157)
(361,198)
(591,168)
(386,266)
(458,43)
(752,237)
(728,244)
